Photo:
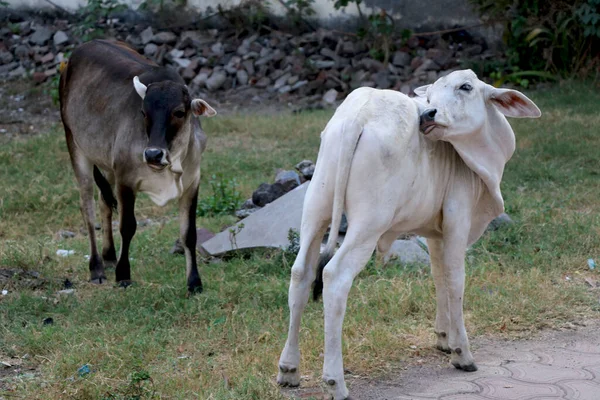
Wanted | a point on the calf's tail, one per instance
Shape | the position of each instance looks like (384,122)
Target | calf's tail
(105,189)
(351,132)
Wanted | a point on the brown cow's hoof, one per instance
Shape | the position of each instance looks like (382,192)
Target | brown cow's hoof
(467,368)
(99,280)
(195,287)
(125,283)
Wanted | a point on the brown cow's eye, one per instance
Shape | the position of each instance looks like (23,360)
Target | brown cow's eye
(179,114)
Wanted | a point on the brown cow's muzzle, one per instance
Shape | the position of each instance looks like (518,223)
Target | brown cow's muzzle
(156,158)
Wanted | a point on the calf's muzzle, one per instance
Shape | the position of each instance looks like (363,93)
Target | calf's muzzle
(155,158)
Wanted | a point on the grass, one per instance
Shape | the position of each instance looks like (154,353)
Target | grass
(151,341)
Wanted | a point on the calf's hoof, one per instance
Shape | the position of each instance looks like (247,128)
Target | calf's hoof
(288,376)
(467,367)
(337,389)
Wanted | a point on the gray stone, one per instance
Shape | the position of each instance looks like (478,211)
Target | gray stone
(177,247)
(288,179)
(323,64)
(282,81)
(8,67)
(264,60)
(299,84)
(306,168)
(60,38)
(401,59)
(267,227)
(241,214)
(22,52)
(216,80)
(164,38)
(267,193)
(182,62)
(382,80)
(242,77)
(408,252)
(40,36)
(66,292)
(176,53)
(248,66)
(201,78)
(6,57)
(17,72)
(146,35)
(500,221)
(427,65)
(330,96)
(217,48)
(150,49)
(66,234)
(432,76)
(263,82)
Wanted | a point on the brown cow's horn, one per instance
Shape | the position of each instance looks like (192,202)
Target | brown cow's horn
(140,88)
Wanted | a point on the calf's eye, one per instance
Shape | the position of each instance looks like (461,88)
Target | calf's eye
(179,114)
(466,87)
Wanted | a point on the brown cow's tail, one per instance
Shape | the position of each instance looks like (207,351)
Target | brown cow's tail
(105,189)
(351,132)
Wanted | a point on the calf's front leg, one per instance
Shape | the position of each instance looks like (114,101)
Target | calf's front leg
(187,230)
(454,247)
(442,315)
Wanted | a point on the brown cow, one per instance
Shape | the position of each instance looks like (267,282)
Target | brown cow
(129,127)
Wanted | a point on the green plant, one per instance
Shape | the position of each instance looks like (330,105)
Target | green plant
(3,3)
(561,36)
(248,15)
(299,10)
(378,28)
(92,14)
(225,197)
(160,5)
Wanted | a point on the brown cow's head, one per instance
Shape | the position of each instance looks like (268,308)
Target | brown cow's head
(167,108)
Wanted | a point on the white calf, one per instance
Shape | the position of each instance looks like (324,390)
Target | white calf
(443,183)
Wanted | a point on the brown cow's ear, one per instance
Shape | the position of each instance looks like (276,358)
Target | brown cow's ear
(202,108)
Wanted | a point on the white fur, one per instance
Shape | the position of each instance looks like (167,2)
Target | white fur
(390,178)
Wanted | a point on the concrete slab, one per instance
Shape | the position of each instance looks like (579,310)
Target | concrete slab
(267,227)
(408,252)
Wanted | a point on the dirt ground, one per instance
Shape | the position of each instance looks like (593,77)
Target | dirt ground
(553,364)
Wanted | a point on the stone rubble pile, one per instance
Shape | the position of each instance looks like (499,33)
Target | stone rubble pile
(319,67)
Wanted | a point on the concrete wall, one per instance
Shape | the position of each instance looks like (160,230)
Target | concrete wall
(409,13)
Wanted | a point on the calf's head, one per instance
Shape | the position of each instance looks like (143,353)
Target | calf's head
(459,104)
(167,108)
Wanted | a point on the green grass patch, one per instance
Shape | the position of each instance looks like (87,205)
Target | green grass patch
(151,341)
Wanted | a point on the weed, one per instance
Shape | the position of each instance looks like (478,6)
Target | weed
(225,197)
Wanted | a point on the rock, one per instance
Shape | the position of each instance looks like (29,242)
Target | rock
(330,96)
(281,81)
(39,77)
(348,48)
(432,76)
(217,48)
(263,82)
(298,85)
(401,59)
(216,80)
(146,35)
(17,72)
(6,57)
(150,49)
(248,66)
(500,221)
(164,38)
(40,36)
(407,252)
(323,64)
(202,77)
(66,292)
(47,58)
(267,227)
(63,234)
(267,193)
(176,53)
(382,80)
(427,65)
(22,52)
(4,69)
(246,209)
(288,180)
(306,169)
(182,62)
(439,56)
(60,38)
(242,77)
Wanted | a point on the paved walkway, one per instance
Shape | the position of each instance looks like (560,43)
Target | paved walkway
(554,365)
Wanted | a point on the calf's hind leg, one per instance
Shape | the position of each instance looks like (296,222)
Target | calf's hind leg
(187,231)
(314,224)
(107,202)
(83,173)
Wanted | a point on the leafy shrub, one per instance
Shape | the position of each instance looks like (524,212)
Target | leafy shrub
(225,197)
(560,36)
(92,14)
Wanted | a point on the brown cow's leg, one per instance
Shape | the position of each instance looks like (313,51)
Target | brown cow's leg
(127,226)
(83,173)
(187,231)
(109,255)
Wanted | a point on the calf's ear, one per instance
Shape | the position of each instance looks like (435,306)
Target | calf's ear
(512,103)
(421,91)
(202,108)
